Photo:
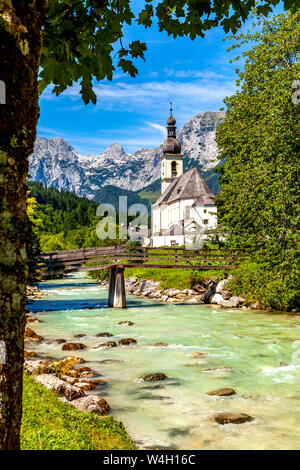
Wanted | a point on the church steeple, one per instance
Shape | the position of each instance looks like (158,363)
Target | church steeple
(172,158)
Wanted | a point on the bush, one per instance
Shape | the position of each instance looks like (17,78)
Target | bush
(271,288)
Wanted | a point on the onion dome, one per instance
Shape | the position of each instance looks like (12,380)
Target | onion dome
(171,144)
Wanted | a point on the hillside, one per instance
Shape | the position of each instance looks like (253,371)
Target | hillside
(56,163)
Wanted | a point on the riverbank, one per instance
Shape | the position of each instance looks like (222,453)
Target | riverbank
(49,424)
(205,291)
(199,349)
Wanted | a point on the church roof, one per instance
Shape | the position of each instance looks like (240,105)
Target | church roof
(190,185)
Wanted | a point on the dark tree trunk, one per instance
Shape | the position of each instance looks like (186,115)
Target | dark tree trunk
(20,48)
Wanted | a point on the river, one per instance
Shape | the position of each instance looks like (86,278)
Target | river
(177,413)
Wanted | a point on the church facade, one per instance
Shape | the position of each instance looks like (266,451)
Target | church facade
(185,211)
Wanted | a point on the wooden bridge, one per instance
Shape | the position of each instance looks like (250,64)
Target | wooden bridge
(117,258)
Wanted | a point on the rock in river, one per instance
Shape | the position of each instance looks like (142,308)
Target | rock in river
(160,344)
(104,334)
(73,346)
(222,392)
(126,323)
(32,335)
(108,344)
(233,418)
(127,341)
(197,354)
(92,404)
(156,376)
(60,386)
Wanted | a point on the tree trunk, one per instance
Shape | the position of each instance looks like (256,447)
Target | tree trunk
(20,47)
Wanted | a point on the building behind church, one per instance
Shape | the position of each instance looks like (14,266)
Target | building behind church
(185,212)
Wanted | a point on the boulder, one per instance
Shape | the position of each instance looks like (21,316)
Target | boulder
(156,376)
(33,320)
(222,392)
(29,354)
(80,335)
(221,286)
(127,341)
(87,374)
(234,302)
(171,292)
(31,335)
(233,418)
(254,306)
(216,299)
(197,354)
(207,295)
(164,298)
(193,300)
(126,323)
(105,334)
(92,403)
(172,300)
(189,292)
(73,346)
(226,294)
(60,386)
(108,344)
(85,385)
(37,367)
(160,344)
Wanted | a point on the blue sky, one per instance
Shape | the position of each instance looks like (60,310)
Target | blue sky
(195,75)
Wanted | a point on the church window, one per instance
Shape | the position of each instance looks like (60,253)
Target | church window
(187,212)
(205,221)
(174,169)
(205,211)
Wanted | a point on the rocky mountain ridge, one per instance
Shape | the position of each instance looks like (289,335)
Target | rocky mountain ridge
(55,162)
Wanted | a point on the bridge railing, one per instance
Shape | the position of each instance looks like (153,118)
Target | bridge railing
(88,259)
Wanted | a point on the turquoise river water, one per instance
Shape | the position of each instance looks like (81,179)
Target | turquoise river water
(177,413)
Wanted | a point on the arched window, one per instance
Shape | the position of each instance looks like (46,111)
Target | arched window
(174,169)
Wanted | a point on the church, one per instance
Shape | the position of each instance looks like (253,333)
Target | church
(185,212)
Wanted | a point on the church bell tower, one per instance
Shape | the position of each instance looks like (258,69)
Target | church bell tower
(172,158)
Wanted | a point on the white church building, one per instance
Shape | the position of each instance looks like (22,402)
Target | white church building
(185,213)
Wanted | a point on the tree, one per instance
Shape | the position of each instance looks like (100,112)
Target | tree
(260,141)
(80,39)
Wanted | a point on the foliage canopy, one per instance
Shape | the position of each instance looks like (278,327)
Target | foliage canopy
(260,141)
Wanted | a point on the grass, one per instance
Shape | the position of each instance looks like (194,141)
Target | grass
(176,278)
(49,424)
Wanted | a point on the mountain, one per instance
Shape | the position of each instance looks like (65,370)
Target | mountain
(110,195)
(56,163)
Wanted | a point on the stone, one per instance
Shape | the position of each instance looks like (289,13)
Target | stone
(87,374)
(33,320)
(193,300)
(127,341)
(283,364)
(126,323)
(207,295)
(85,385)
(156,376)
(254,306)
(226,295)
(30,334)
(197,354)
(108,344)
(160,344)
(29,354)
(232,418)
(216,368)
(91,403)
(172,300)
(73,346)
(189,292)
(70,392)
(37,367)
(70,380)
(221,286)
(216,299)
(105,334)
(234,302)
(80,335)
(222,392)
(164,298)
(171,292)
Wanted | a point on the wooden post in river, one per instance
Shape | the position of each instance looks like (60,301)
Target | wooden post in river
(116,289)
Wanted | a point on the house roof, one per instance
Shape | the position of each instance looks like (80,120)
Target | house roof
(190,185)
